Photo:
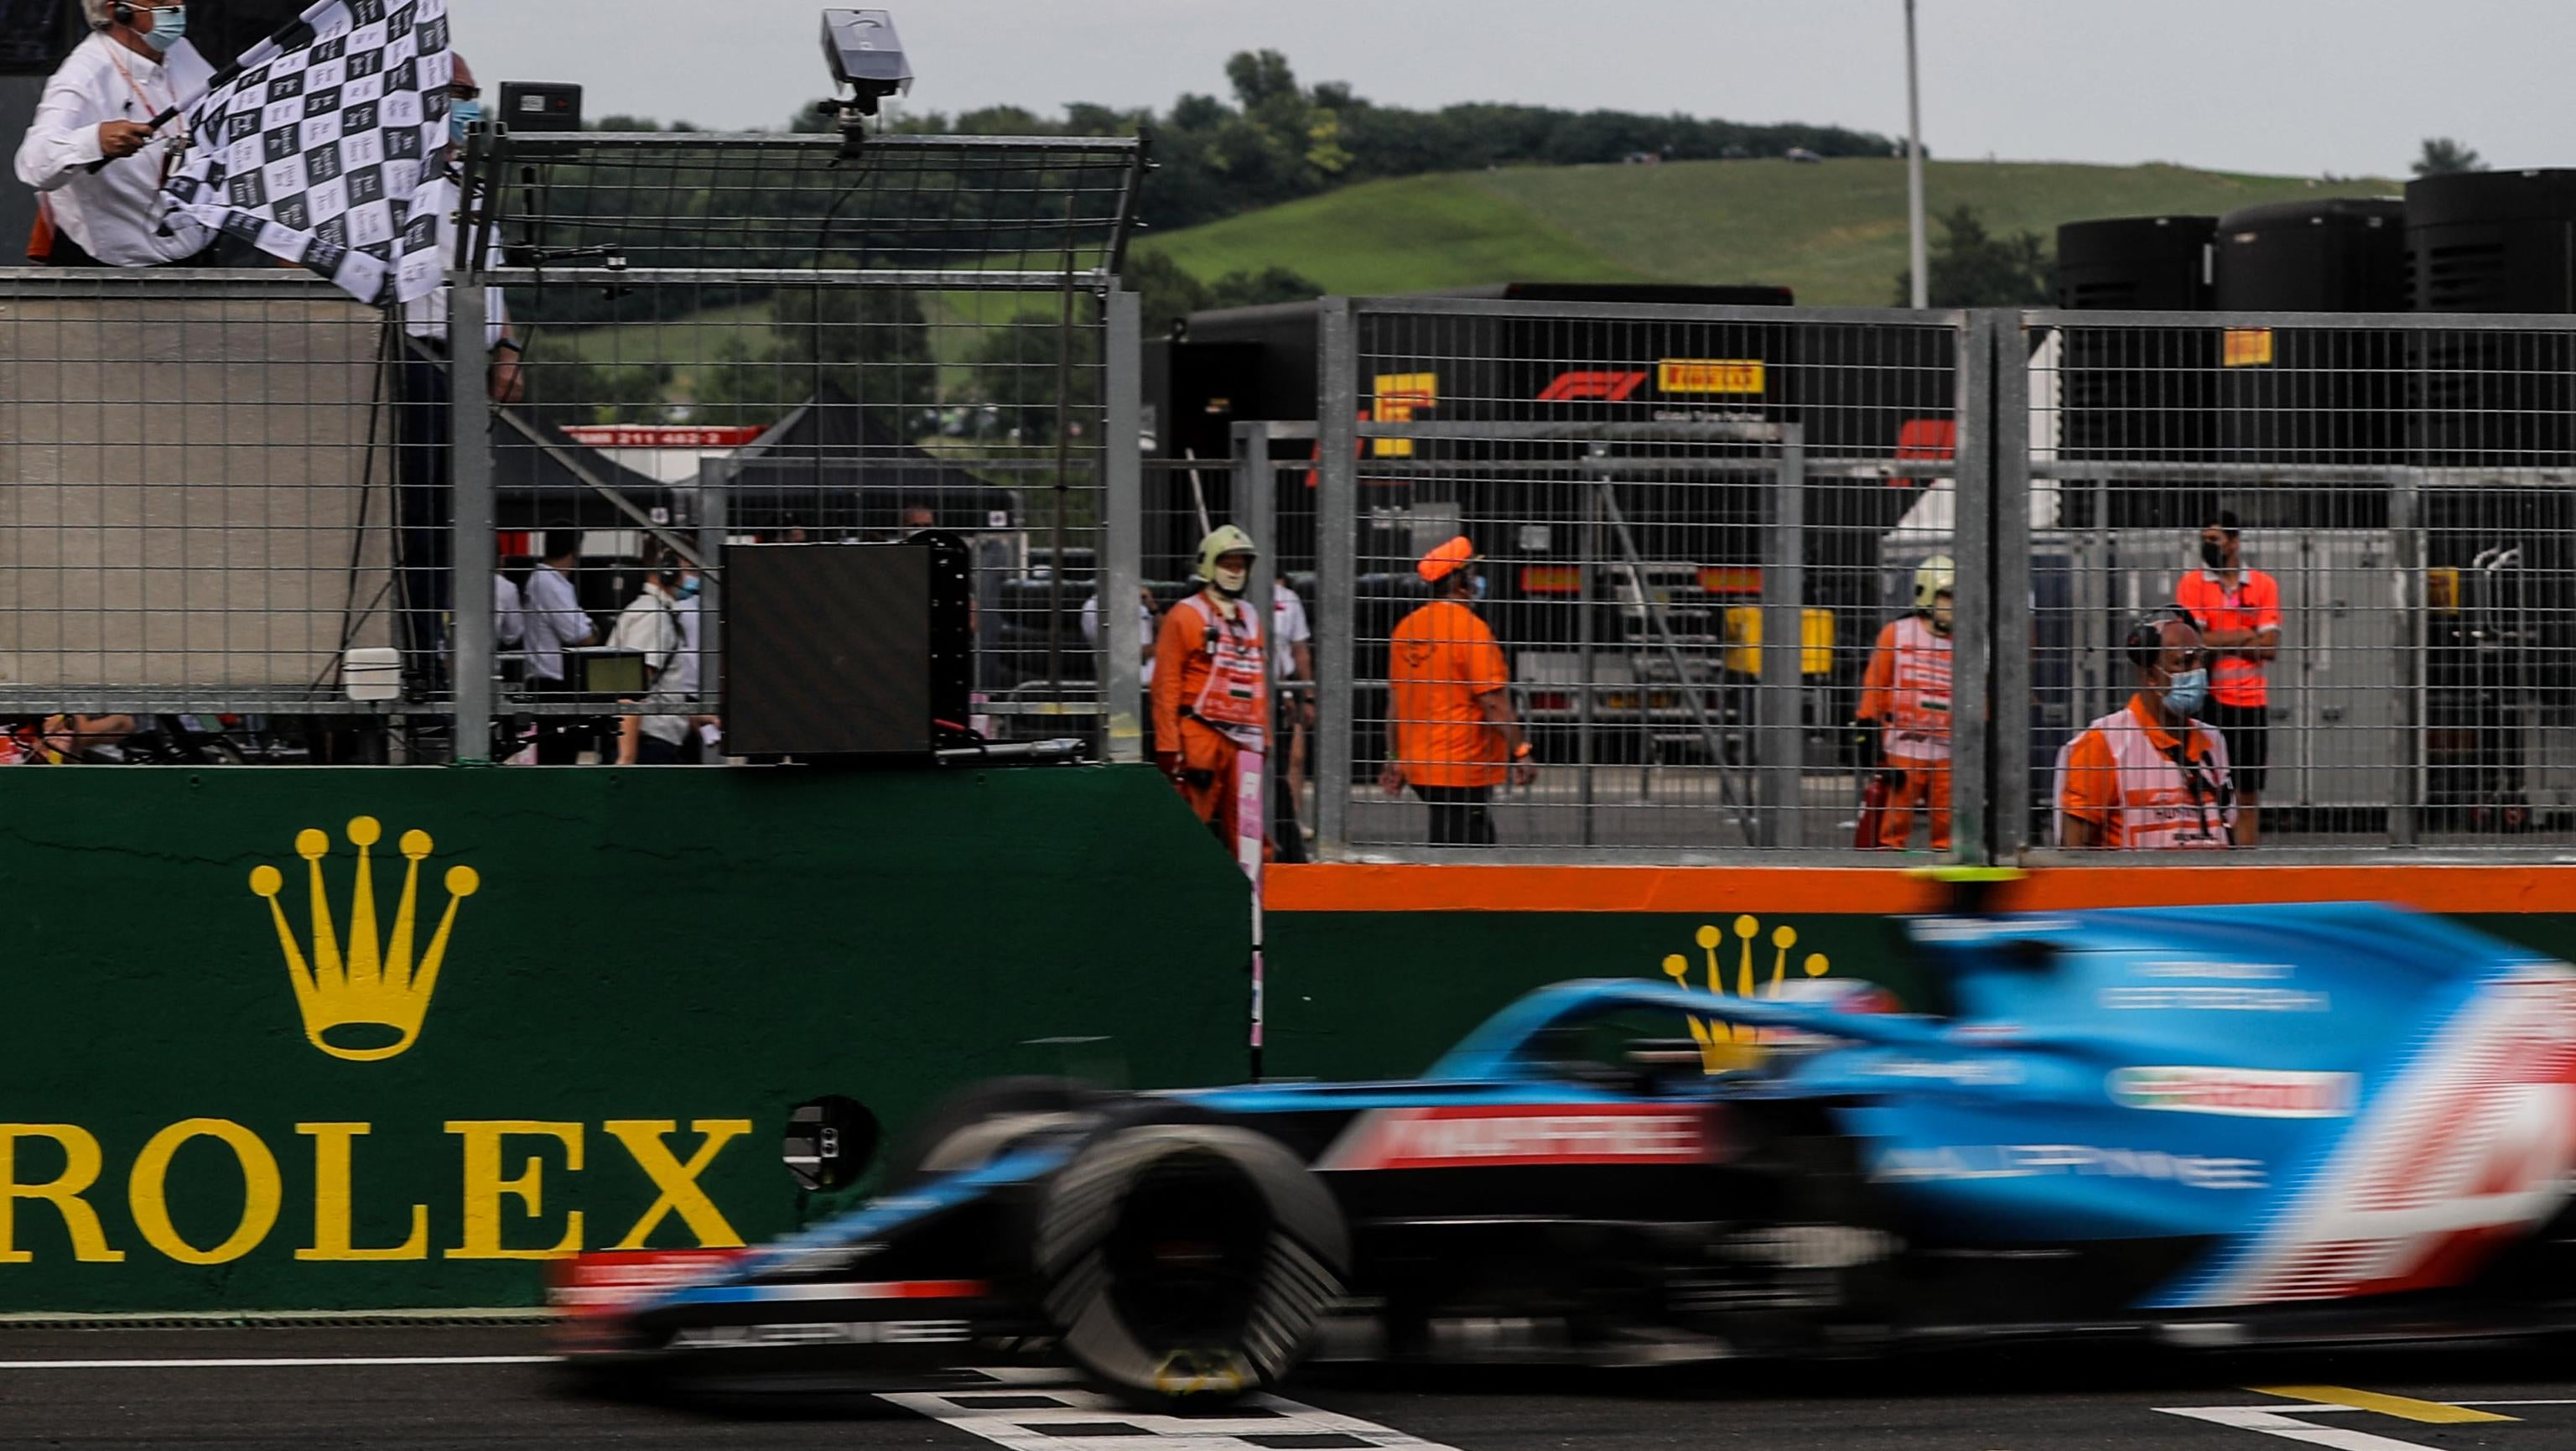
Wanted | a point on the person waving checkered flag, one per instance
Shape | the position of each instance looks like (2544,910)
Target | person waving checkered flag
(320,150)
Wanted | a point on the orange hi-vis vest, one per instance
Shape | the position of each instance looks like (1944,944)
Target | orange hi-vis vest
(2150,789)
(2254,604)
(1907,687)
(1221,683)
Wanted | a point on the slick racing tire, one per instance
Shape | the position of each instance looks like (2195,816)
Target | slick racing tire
(1185,1264)
(973,1124)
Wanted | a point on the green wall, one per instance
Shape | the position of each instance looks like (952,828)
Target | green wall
(1380,994)
(698,948)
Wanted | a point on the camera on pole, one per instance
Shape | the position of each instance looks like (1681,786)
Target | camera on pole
(867,61)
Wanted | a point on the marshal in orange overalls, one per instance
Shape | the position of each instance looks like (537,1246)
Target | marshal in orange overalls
(1209,704)
(1906,691)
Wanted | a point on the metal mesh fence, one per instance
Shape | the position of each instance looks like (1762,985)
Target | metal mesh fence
(238,492)
(199,512)
(780,340)
(1652,497)
(2387,620)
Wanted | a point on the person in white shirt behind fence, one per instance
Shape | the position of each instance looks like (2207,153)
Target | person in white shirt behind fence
(93,156)
(552,616)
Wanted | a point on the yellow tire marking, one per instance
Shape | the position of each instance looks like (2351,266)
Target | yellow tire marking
(2405,1408)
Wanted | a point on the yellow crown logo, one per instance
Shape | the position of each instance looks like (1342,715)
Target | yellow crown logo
(375,988)
(1725,1047)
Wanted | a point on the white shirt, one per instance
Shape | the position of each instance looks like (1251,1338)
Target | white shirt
(649,625)
(115,215)
(1288,626)
(554,620)
(426,316)
(509,626)
(677,686)
(1144,629)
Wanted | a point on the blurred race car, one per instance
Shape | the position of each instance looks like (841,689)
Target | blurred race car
(2215,1127)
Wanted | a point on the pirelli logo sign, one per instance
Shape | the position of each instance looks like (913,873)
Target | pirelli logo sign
(1737,376)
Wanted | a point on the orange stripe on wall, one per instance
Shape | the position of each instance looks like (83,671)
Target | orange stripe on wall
(1354,887)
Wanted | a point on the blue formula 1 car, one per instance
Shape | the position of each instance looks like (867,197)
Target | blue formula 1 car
(2212,1126)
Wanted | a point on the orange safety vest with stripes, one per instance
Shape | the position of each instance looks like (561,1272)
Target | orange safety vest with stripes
(1221,683)
(2148,788)
(1907,688)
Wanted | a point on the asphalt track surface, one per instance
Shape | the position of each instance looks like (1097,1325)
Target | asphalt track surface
(321,1387)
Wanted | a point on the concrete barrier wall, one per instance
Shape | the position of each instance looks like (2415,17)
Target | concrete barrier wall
(637,974)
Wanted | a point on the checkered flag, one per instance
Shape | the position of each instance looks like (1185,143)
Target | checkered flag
(319,150)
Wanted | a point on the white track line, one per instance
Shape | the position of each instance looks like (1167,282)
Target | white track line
(1256,1423)
(2510,1403)
(2270,1421)
(278,1362)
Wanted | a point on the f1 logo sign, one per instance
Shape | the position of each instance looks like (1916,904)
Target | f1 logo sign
(1592,387)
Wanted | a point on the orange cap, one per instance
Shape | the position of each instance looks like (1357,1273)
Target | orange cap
(1446,560)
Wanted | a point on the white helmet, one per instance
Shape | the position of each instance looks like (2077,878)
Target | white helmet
(1223,540)
(1938,575)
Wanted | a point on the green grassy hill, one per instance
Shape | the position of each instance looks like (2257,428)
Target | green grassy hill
(1833,231)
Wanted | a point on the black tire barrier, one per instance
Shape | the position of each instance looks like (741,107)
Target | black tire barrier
(1092,1295)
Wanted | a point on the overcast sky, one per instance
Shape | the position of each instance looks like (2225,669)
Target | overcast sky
(2294,87)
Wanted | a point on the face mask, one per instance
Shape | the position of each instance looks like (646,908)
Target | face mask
(689,588)
(1476,590)
(2213,555)
(2187,692)
(461,116)
(1230,582)
(169,27)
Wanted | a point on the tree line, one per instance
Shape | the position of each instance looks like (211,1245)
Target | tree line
(1277,139)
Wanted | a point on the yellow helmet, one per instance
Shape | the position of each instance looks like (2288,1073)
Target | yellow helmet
(1938,575)
(1223,540)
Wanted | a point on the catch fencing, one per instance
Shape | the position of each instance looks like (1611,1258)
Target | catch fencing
(918,330)
(1657,495)
(198,506)
(238,494)
(2404,481)
(1656,492)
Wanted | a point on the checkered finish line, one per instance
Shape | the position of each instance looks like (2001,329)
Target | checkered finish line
(1037,1410)
(321,150)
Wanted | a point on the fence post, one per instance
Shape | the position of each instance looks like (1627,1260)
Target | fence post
(1997,455)
(1780,725)
(1121,671)
(1337,544)
(1256,508)
(470,480)
(1976,703)
(714,476)
(2406,788)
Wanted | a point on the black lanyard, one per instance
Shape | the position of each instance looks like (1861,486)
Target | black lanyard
(2204,787)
